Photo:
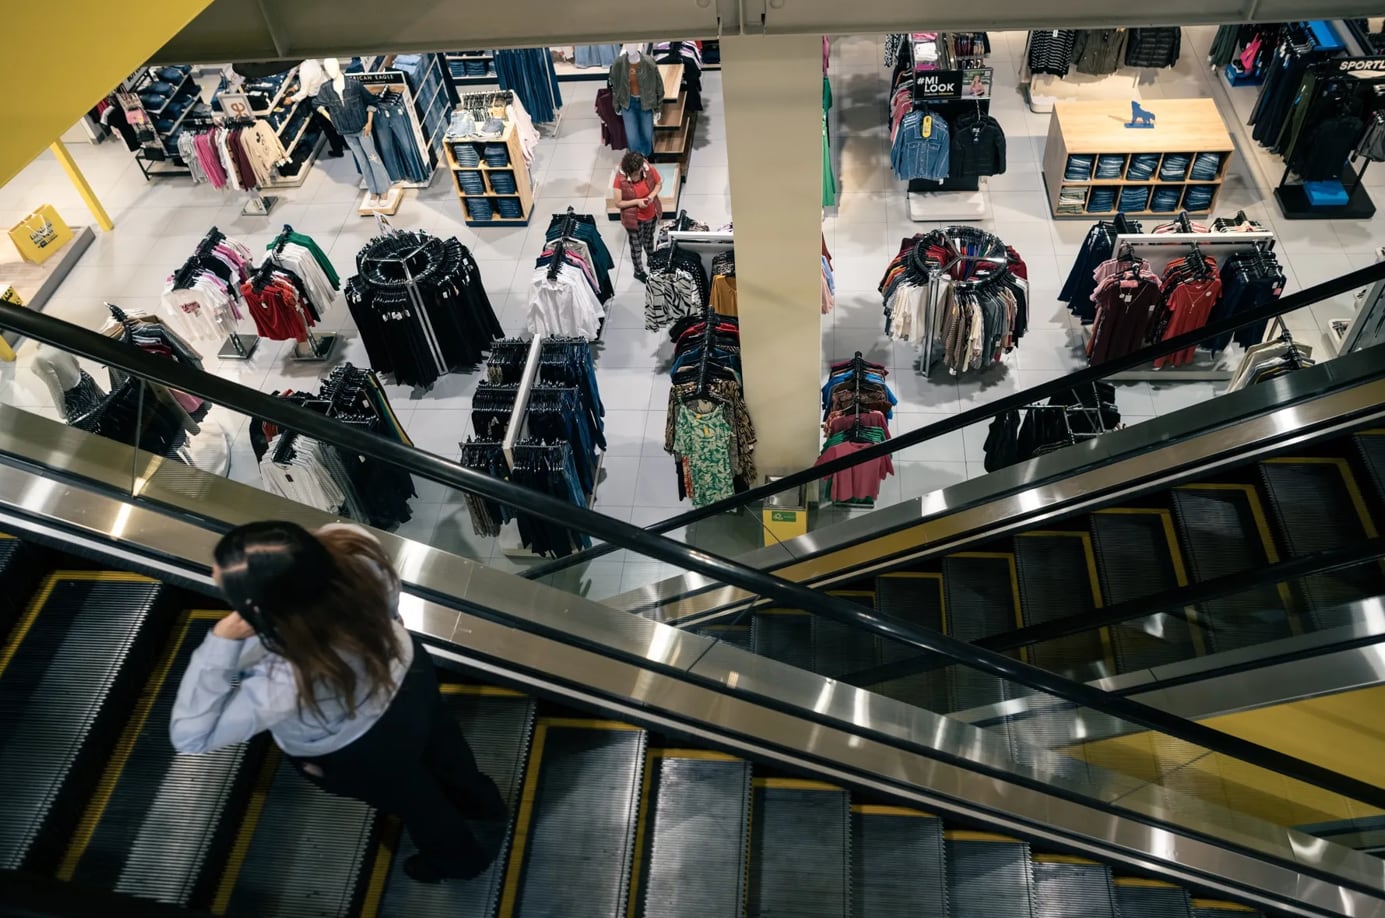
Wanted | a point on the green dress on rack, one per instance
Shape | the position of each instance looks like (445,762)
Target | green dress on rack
(702,439)
(829,181)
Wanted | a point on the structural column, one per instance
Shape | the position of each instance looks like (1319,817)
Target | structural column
(772,91)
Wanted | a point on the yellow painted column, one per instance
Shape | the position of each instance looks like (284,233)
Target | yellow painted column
(772,90)
(69,165)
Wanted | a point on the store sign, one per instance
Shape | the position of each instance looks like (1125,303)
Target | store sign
(236,105)
(1357,64)
(953,84)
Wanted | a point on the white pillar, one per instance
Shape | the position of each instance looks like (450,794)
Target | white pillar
(772,91)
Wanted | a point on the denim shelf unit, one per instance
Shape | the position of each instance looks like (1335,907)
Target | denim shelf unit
(158,157)
(291,122)
(1183,128)
(517,168)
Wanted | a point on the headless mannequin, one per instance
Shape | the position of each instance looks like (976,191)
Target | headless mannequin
(639,120)
(368,161)
(59,372)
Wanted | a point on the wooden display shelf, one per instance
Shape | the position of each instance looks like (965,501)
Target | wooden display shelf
(1095,128)
(524,188)
(671,115)
(672,75)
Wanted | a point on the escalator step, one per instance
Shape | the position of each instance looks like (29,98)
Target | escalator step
(575,839)
(988,877)
(1318,506)
(695,863)
(731,634)
(300,852)
(74,660)
(1052,569)
(897,864)
(1152,899)
(982,600)
(786,636)
(800,850)
(498,725)
(916,598)
(157,816)
(839,648)
(20,568)
(1370,446)
(1073,890)
(1137,555)
(1224,531)
(1210,908)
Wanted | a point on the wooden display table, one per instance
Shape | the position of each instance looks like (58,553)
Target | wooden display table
(1182,127)
(517,168)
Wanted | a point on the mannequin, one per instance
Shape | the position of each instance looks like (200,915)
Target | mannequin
(637,92)
(311,75)
(350,108)
(74,391)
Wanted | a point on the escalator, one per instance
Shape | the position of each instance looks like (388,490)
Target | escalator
(607,818)
(1313,498)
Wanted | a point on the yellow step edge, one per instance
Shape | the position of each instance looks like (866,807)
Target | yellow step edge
(583,723)
(380,870)
(1373,432)
(207,615)
(1144,883)
(240,848)
(5,535)
(1358,500)
(1065,859)
(104,576)
(706,755)
(26,621)
(1222,904)
(902,575)
(997,555)
(529,791)
(969,835)
(494,691)
(882,809)
(641,826)
(115,765)
(794,784)
(1052,532)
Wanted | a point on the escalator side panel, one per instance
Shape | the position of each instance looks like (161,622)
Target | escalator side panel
(301,852)
(1052,568)
(1224,531)
(897,864)
(982,600)
(71,666)
(989,877)
(800,860)
(697,855)
(577,821)
(1319,506)
(1137,555)
(840,648)
(157,816)
(498,725)
(1073,890)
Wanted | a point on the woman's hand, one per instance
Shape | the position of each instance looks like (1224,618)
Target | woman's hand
(233,628)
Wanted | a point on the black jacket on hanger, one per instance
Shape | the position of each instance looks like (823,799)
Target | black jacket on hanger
(977,146)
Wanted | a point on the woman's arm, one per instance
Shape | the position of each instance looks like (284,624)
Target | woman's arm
(217,705)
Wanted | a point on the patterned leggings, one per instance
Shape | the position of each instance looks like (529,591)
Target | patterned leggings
(641,238)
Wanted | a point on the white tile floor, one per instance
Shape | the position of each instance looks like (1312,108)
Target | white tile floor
(158,223)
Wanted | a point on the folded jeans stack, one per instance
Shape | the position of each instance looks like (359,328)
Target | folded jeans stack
(476,66)
(1102,200)
(1142,166)
(509,208)
(1079,167)
(1198,197)
(497,155)
(1174,168)
(1110,165)
(1133,198)
(503,182)
(1205,167)
(1072,200)
(479,209)
(1166,198)
(466,154)
(470,181)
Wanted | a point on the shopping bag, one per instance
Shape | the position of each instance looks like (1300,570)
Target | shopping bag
(39,235)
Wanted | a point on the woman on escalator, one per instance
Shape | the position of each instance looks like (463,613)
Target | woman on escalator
(314,652)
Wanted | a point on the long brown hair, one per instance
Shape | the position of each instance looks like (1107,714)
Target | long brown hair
(317,600)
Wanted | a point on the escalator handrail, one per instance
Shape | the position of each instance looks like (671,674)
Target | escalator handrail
(1321,562)
(290,416)
(1092,374)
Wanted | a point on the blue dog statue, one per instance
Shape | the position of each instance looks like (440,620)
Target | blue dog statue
(1139,117)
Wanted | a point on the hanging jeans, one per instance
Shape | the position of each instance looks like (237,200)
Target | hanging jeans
(377,180)
(398,148)
(415,763)
(639,128)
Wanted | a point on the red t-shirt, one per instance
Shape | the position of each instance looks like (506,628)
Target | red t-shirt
(641,189)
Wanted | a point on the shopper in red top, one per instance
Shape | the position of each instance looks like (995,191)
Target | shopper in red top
(639,184)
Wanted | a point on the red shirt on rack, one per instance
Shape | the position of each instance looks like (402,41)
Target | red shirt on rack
(276,310)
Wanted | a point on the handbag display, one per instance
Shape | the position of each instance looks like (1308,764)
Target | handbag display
(39,235)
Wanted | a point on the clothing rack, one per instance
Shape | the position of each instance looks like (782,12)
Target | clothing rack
(707,245)
(237,346)
(318,347)
(935,291)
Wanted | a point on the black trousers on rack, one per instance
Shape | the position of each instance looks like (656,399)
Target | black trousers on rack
(415,763)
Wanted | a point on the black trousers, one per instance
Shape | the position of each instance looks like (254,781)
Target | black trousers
(415,763)
(334,141)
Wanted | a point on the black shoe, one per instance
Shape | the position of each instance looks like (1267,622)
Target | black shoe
(421,871)
(335,154)
(468,867)
(641,277)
